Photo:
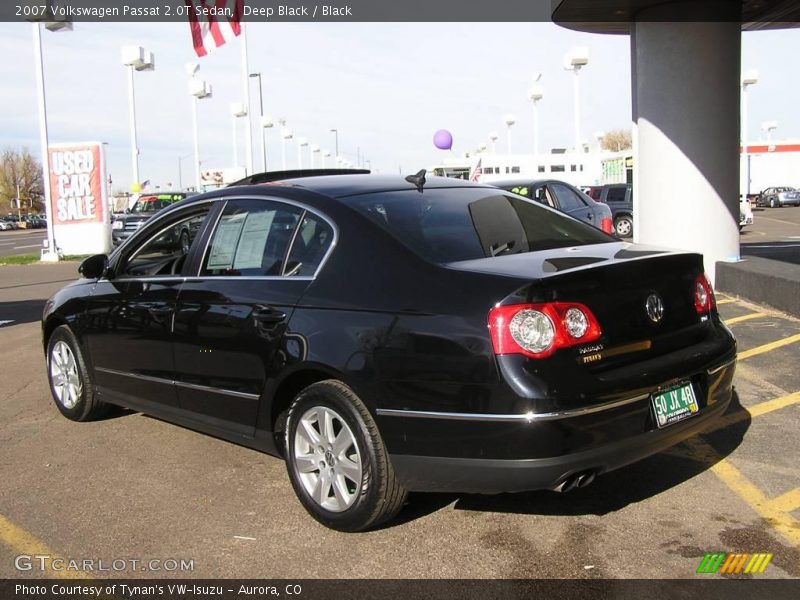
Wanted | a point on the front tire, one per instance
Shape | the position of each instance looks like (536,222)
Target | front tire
(70,382)
(773,203)
(337,462)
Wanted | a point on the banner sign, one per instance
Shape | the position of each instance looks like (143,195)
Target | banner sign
(77,185)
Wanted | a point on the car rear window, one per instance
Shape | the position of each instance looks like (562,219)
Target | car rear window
(450,225)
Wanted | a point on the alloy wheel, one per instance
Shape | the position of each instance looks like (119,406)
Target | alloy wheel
(327,460)
(66,381)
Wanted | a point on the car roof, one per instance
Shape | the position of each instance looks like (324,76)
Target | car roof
(529,182)
(336,186)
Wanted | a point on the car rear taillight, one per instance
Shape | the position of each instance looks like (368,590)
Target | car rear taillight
(538,330)
(703,295)
(606,225)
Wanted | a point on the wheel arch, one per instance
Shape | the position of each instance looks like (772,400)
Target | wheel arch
(287,389)
(50,325)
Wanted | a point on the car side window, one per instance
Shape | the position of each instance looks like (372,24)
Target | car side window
(616,194)
(542,195)
(310,245)
(567,199)
(165,252)
(251,238)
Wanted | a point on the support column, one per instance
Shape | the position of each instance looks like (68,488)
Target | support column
(685,84)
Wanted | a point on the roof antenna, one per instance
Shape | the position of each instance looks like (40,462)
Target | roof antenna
(418,179)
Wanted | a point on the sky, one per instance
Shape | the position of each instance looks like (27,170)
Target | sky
(386,88)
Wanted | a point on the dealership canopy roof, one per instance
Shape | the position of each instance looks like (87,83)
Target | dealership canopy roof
(615,16)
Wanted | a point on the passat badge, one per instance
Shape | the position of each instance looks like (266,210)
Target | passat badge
(654,307)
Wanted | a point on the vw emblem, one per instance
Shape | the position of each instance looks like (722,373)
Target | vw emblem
(654,307)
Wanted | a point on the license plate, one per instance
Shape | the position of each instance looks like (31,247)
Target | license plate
(675,404)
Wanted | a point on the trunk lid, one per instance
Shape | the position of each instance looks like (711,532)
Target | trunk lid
(614,281)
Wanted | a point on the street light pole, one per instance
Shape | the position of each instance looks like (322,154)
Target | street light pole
(180,172)
(509,120)
(261,122)
(198,89)
(52,252)
(132,116)
(335,132)
(135,58)
(536,93)
(574,60)
(286,134)
(749,78)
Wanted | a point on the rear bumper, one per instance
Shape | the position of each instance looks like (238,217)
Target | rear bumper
(497,475)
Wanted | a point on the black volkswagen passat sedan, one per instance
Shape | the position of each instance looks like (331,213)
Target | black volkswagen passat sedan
(387,335)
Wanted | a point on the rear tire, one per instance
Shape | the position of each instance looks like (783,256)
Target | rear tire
(623,226)
(71,384)
(336,459)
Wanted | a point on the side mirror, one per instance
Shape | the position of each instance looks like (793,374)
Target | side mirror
(94,267)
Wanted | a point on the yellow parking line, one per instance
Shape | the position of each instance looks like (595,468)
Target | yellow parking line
(735,320)
(725,300)
(768,347)
(756,410)
(787,502)
(22,542)
(771,511)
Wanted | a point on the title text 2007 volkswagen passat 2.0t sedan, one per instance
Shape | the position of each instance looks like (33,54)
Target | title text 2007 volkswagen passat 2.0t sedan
(390,334)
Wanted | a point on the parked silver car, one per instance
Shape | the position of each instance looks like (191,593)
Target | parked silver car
(779,196)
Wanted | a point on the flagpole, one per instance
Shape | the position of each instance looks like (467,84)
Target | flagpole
(246,89)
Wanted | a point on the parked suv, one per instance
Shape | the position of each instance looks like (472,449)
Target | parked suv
(619,198)
(125,225)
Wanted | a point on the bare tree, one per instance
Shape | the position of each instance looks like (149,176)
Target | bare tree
(20,167)
(617,140)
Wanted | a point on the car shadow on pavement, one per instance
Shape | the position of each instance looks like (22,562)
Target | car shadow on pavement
(21,311)
(609,492)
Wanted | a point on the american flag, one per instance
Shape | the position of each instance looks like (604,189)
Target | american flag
(476,173)
(212,31)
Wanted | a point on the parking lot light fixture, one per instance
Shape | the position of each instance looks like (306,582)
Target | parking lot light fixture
(335,133)
(59,25)
(267,122)
(536,93)
(509,121)
(237,110)
(135,58)
(574,60)
(199,90)
(749,77)
(301,143)
(313,149)
(325,154)
(493,138)
(286,134)
(768,127)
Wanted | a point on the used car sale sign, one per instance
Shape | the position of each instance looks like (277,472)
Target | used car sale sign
(78,193)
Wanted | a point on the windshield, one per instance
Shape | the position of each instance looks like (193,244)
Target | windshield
(144,205)
(450,225)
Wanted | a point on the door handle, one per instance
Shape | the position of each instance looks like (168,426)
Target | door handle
(268,315)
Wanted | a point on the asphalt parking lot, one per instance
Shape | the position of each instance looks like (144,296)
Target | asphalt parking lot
(775,234)
(21,241)
(134,487)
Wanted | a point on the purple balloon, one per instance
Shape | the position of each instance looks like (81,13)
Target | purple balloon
(443,139)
